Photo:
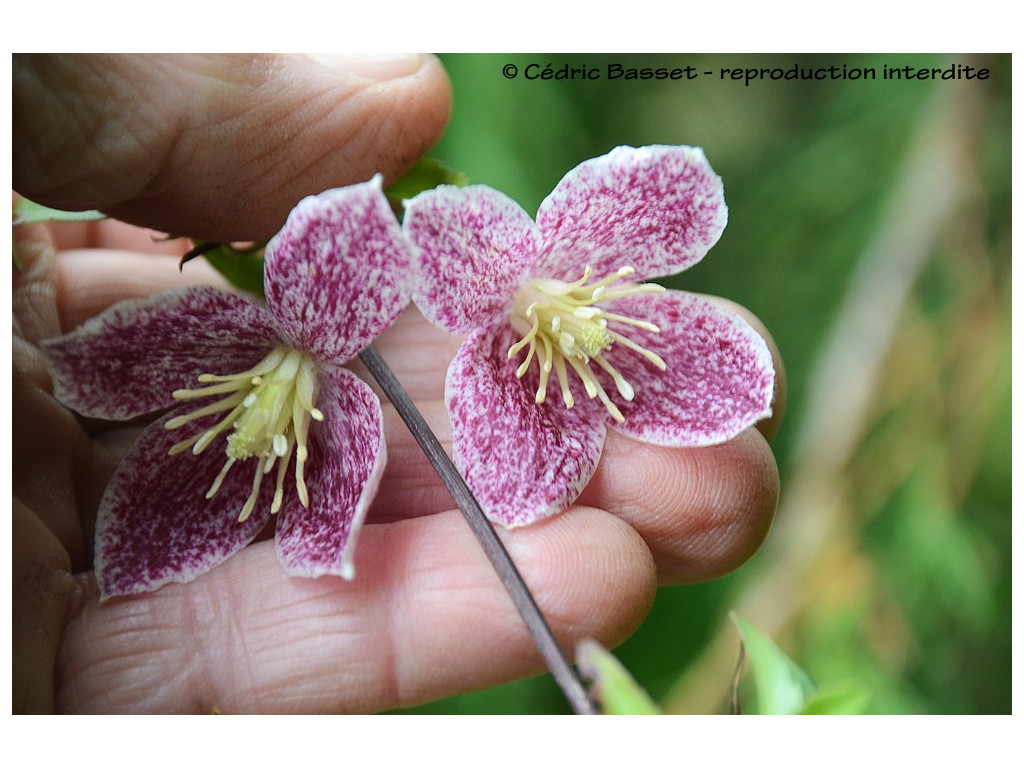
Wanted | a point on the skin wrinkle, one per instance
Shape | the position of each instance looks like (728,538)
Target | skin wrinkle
(254,629)
(440,584)
(287,122)
(118,143)
(367,663)
(33,302)
(217,676)
(326,107)
(209,112)
(256,91)
(103,676)
(49,137)
(310,633)
(396,612)
(205,611)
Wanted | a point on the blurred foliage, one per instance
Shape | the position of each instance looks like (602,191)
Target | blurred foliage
(781,687)
(609,684)
(27,211)
(908,591)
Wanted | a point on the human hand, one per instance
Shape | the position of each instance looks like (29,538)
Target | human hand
(425,616)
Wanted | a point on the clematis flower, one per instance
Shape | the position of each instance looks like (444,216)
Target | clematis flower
(563,342)
(263,419)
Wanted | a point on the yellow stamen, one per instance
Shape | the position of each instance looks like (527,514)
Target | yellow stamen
(563,323)
(269,408)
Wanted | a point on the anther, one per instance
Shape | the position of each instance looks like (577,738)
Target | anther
(269,408)
(563,323)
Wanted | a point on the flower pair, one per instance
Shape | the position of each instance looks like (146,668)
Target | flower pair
(562,343)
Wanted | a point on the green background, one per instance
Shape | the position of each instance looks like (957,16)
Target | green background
(869,229)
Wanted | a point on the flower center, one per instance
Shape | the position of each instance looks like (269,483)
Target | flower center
(563,323)
(269,407)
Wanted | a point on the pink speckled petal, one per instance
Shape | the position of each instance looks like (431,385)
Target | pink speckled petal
(523,461)
(475,248)
(128,360)
(155,524)
(719,379)
(657,209)
(346,460)
(338,273)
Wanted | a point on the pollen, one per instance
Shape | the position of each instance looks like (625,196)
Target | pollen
(268,409)
(563,326)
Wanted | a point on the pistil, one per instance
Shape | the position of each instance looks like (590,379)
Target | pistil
(563,323)
(268,409)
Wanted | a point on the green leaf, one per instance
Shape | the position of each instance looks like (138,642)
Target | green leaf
(28,212)
(782,687)
(242,267)
(614,689)
(850,698)
(426,174)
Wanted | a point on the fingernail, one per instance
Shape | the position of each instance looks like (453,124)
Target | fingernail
(372,66)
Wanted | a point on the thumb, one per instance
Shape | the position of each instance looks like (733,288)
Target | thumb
(219,147)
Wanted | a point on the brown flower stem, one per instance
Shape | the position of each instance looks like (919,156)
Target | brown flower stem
(561,670)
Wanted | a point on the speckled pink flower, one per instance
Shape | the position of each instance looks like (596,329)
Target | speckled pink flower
(563,342)
(263,419)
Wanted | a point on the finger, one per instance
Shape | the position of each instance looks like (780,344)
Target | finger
(33,297)
(425,617)
(42,587)
(702,511)
(115,235)
(90,280)
(51,448)
(218,147)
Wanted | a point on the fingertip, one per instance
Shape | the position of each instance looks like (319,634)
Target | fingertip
(745,499)
(702,511)
(217,147)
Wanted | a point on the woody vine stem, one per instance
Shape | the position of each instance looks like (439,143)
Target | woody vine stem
(550,650)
